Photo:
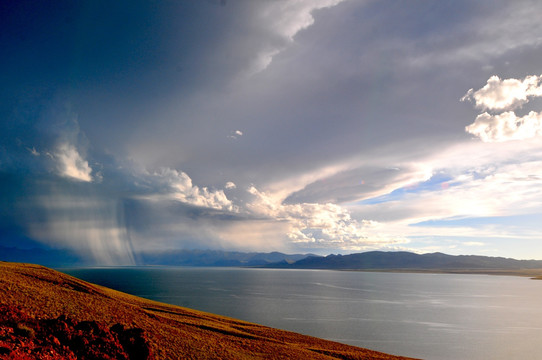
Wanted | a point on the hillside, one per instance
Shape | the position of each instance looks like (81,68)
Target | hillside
(380,260)
(45,314)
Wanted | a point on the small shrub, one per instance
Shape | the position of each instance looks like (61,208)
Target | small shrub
(25,331)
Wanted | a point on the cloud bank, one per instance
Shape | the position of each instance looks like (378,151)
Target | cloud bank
(323,225)
(289,125)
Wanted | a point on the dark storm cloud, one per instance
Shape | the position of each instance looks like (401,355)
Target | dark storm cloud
(111,219)
(248,124)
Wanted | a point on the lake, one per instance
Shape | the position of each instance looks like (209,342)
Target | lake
(429,316)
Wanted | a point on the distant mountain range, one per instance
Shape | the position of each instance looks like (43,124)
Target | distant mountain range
(373,260)
(379,260)
(62,257)
(217,258)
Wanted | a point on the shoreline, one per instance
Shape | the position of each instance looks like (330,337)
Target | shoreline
(534,274)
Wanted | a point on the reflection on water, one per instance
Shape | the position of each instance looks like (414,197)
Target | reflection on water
(431,316)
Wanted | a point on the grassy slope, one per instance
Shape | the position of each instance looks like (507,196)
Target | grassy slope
(173,332)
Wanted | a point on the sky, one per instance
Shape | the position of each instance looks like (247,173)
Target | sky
(301,126)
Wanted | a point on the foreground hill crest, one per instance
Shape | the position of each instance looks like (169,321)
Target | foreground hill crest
(33,296)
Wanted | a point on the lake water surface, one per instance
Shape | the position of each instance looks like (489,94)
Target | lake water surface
(429,316)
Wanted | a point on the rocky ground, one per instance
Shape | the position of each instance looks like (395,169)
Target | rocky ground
(24,337)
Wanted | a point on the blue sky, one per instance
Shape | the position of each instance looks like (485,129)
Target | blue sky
(324,126)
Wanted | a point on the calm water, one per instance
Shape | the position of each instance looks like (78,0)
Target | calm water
(420,315)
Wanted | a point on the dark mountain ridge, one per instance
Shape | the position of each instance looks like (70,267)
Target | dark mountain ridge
(63,257)
(217,258)
(380,260)
(372,260)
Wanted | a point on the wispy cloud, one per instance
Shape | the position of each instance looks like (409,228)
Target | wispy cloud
(235,134)
(499,180)
(33,151)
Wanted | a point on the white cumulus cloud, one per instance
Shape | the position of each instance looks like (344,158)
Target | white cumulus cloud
(505,94)
(71,164)
(182,189)
(230,185)
(500,95)
(321,225)
(506,126)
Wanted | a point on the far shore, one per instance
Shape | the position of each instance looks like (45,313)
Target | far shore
(534,274)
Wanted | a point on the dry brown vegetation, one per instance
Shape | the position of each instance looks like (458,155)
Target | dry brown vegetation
(24,337)
(32,296)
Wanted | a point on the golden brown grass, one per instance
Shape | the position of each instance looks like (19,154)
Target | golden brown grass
(173,332)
